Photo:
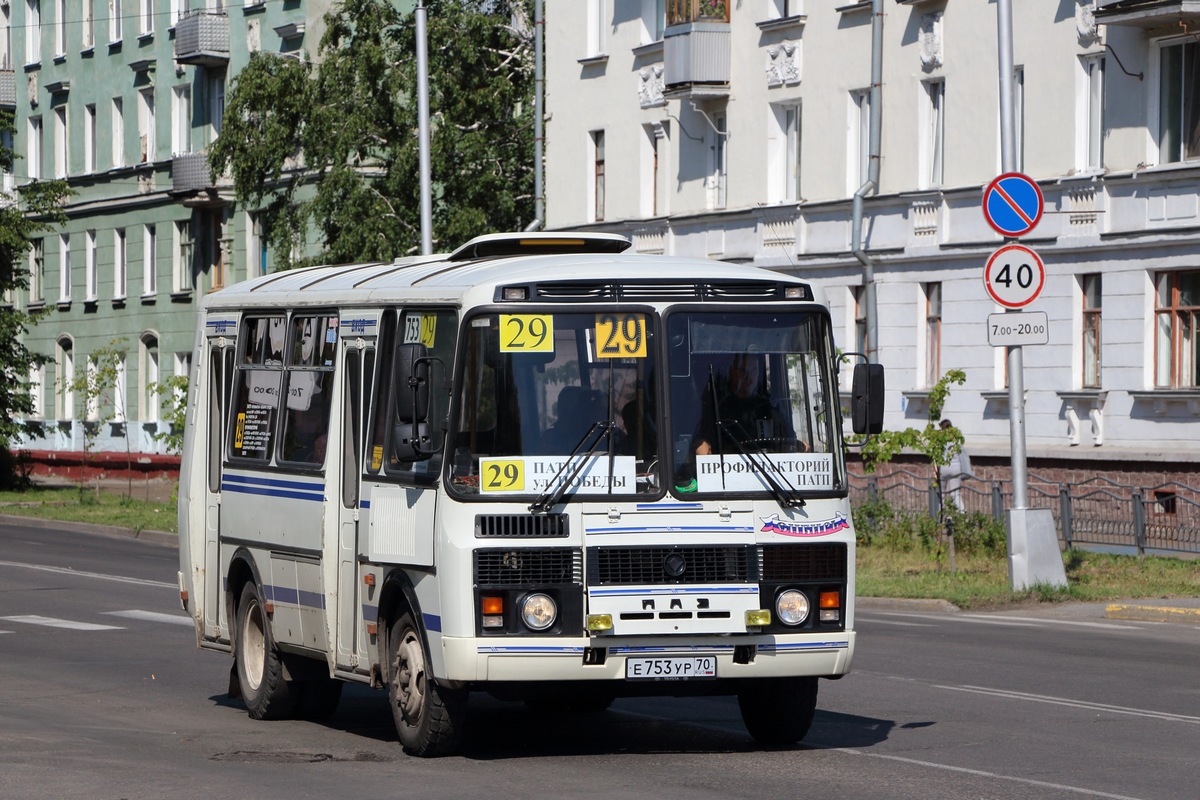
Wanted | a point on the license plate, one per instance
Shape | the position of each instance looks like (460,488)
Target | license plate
(673,668)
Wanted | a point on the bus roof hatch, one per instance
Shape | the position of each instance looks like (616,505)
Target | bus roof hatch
(493,245)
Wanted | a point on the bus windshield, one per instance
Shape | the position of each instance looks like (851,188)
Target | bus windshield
(557,398)
(753,403)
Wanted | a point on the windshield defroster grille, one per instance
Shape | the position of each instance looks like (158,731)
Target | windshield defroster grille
(649,289)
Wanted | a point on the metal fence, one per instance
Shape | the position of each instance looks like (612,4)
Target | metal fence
(1099,511)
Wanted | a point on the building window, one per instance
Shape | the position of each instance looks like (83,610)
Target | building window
(146,17)
(1090,122)
(146,127)
(91,399)
(64,268)
(64,365)
(60,29)
(787,8)
(33,31)
(858,140)
(177,10)
(681,11)
(149,261)
(597,25)
(1176,325)
(181,133)
(650,171)
(118,132)
(120,264)
(37,390)
(1179,102)
(257,262)
(720,166)
(89,24)
(213,230)
(10,178)
(783,155)
(216,102)
(654,20)
(597,139)
(115,33)
(119,384)
(37,272)
(89,138)
(933,333)
(148,399)
(61,153)
(861,341)
(182,259)
(35,148)
(1091,287)
(934,138)
(91,280)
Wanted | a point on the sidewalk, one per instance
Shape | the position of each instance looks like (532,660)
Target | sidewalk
(1171,609)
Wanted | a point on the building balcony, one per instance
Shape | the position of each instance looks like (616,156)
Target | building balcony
(696,57)
(202,38)
(192,183)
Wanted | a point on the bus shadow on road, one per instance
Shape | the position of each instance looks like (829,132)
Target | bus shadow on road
(833,730)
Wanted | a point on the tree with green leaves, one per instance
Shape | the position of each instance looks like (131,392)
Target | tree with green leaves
(34,208)
(331,146)
(940,445)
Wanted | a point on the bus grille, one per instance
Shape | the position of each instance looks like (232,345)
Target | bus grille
(649,289)
(803,562)
(655,565)
(547,526)
(534,565)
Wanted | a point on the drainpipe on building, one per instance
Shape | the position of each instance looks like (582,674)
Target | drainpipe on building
(872,182)
(539,89)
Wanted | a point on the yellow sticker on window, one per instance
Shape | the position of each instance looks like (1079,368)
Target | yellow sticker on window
(501,475)
(376,458)
(420,329)
(620,336)
(526,333)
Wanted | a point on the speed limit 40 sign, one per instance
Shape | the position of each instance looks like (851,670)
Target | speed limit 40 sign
(1014,276)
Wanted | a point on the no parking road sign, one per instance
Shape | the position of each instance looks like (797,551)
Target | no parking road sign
(1013,204)
(1014,276)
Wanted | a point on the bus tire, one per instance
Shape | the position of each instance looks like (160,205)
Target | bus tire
(778,711)
(265,690)
(429,717)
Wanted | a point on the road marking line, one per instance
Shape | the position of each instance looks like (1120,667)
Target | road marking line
(1082,623)
(1062,701)
(100,575)
(984,774)
(1012,621)
(955,617)
(51,622)
(898,622)
(153,616)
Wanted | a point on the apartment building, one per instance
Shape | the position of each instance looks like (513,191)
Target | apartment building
(121,98)
(740,131)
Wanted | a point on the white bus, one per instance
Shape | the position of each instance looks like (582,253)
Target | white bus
(538,467)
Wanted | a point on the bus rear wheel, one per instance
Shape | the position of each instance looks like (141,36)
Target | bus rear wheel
(778,711)
(259,668)
(429,717)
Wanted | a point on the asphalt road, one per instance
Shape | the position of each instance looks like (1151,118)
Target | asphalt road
(103,695)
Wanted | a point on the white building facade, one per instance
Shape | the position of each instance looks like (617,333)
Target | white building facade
(738,130)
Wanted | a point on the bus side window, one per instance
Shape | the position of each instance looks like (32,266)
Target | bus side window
(220,372)
(436,329)
(309,389)
(376,398)
(257,390)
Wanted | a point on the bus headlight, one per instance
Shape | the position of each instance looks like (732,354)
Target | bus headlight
(791,607)
(538,611)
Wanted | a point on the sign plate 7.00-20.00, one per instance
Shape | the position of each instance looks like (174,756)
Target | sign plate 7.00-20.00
(1014,276)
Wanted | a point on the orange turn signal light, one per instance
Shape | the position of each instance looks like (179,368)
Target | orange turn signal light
(830,599)
(492,605)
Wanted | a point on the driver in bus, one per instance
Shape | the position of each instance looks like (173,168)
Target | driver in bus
(740,399)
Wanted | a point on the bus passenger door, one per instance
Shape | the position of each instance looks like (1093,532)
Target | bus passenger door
(359,357)
(220,375)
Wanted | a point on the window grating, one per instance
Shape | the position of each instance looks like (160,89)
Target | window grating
(517,567)
(803,562)
(551,526)
(647,290)
(655,565)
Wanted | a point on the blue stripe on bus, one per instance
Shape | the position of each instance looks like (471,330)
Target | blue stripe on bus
(674,590)
(364,503)
(673,529)
(657,506)
(370,613)
(515,650)
(801,646)
(432,622)
(265,492)
(293,597)
(273,487)
(624,651)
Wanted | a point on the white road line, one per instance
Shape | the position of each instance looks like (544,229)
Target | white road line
(153,616)
(1063,701)
(1079,622)
(983,774)
(897,622)
(99,575)
(51,622)
(955,617)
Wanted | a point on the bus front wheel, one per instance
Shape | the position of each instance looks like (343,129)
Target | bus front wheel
(778,711)
(259,668)
(429,717)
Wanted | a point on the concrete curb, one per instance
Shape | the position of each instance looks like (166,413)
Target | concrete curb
(1152,613)
(154,537)
(906,604)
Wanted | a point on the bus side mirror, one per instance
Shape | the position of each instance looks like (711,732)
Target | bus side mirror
(866,407)
(412,383)
(411,441)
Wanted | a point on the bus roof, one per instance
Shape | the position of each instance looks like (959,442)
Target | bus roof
(587,267)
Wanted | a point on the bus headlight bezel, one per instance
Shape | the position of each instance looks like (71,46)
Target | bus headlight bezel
(792,607)
(539,611)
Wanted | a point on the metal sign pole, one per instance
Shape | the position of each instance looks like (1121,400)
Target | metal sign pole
(423,132)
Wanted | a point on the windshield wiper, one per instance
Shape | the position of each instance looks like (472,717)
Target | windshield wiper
(784,493)
(575,462)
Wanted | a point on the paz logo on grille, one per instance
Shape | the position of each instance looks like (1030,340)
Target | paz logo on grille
(674,564)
